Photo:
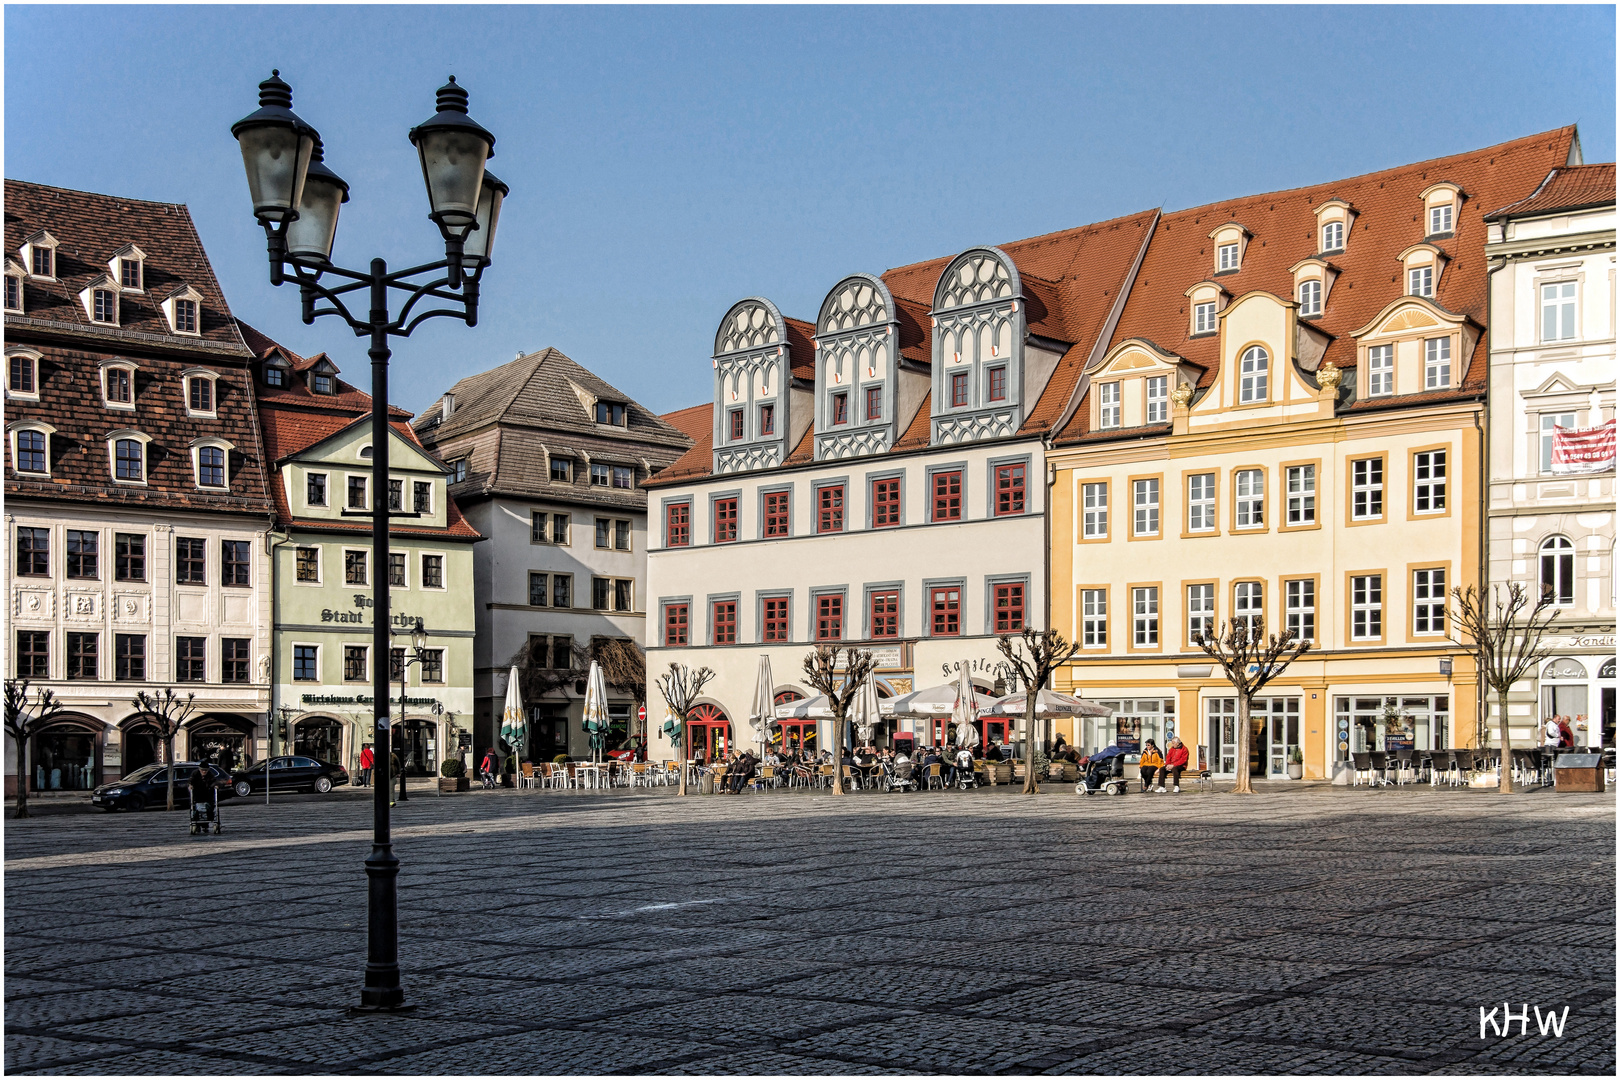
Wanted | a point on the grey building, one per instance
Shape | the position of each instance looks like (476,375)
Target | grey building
(547,462)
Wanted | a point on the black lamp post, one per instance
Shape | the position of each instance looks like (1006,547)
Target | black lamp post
(296,198)
(418,643)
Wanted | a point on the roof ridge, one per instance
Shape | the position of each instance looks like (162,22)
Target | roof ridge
(1049,236)
(96,194)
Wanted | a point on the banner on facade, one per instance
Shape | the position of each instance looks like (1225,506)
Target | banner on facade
(1583,450)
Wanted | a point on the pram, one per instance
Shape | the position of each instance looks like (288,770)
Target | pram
(901,776)
(205,813)
(1105,773)
(962,774)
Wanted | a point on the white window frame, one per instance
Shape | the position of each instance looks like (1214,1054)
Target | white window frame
(406,584)
(1094,511)
(1333,236)
(366,584)
(326,485)
(1420,281)
(1298,607)
(106,402)
(1249,604)
(113,440)
(1548,421)
(33,359)
(40,427)
(1370,488)
(1145,504)
(343,660)
(1226,256)
(444,572)
(1310,297)
(17,277)
(1436,363)
(1563,305)
(1145,617)
(1200,611)
(1380,370)
(1201,502)
(111,290)
(1108,405)
(1562,549)
(41,241)
(1429,482)
(292,660)
(432,499)
(1253,375)
(1441,218)
(320,565)
(1250,485)
(1094,618)
(213,392)
(1158,399)
(1301,484)
(1204,317)
(346,505)
(1366,607)
(214,443)
(1429,601)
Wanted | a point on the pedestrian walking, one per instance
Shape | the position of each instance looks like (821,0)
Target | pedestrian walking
(367,758)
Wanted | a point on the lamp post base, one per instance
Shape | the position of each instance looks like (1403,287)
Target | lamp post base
(379,1010)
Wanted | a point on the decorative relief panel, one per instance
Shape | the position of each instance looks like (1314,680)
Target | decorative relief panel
(81,605)
(853,444)
(979,278)
(746,458)
(748,326)
(34,603)
(132,607)
(853,305)
(960,429)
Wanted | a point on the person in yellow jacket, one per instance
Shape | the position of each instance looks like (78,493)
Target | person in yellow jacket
(1152,765)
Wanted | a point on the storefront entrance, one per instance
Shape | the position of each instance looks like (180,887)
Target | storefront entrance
(319,737)
(548,734)
(141,748)
(708,730)
(1273,731)
(217,742)
(63,758)
(1568,690)
(420,745)
(796,735)
(1362,724)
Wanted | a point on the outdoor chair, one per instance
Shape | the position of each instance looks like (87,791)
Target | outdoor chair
(1405,767)
(1379,767)
(824,776)
(638,774)
(526,774)
(766,775)
(1464,766)
(1360,769)
(934,779)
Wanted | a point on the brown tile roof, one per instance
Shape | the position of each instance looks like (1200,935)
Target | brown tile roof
(1569,187)
(348,401)
(90,230)
(1388,220)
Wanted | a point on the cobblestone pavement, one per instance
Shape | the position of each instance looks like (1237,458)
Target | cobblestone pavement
(1311,930)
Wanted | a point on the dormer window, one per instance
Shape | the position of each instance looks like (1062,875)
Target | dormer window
(1333,236)
(1252,371)
(611,412)
(1158,397)
(128,452)
(1310,298)
(200,393)
(1204,317)
(39,252)
(1440,219)
(1420,281)
(1108,413)
(1440,203)
(274,374)
(14,287)
(1380,370)
(30,449)
(118,385)
(210,459)
(1436,363)
(185,316)
(562,470)
(1227,257)
(321,383)
(129,273)
(23,374)
(104,306)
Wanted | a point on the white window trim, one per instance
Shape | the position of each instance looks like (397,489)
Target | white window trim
(115,267)
(1382,369)
(34,358)
(213,391)
(1100,510)
(292,665)
(1301,610)
(1301,495)
(320,566)
(1201,614)
(1541,309)
(196,462)
(343,661)
(1141,621)
(187,293)
(370,570)
(31,425)
(1254,385)
(1431,365)
(1311,306)
(20,275)
(1432,602)
(1236,251)
(1326,225)
(1206,504)
(1104,404)
(303,492)
(107,365)
(1369,487)
(87,297)
(1412,283)
(40,239)
(1367,606)
(1157,506)
(432,497)
(1255,500)
(1246,590)
(113,439)
(1100,618)
(1450,211)
(1200,325)
(444,574)
(406,584)
(1162,400)
(345,504)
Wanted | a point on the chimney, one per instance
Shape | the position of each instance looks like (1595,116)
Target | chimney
(449,406)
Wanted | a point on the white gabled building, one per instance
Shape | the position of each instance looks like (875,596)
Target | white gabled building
(1553,367)
(877,478)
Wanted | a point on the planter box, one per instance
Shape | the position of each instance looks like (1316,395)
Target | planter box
(1062,772)
(452,784)
(1578,772)
(999,772)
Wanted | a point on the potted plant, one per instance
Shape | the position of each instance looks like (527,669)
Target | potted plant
(452,776)
(1296,763)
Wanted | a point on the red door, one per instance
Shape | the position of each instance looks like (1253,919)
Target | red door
(708,729)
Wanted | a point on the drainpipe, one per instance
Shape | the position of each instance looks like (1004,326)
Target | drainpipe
(1483,713)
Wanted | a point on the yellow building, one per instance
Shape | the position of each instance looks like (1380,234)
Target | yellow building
(1288,426)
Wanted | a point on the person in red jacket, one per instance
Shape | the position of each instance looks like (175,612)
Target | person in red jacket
(1175,760)
(366,759)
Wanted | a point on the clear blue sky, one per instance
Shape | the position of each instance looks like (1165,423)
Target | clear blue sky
(665,162)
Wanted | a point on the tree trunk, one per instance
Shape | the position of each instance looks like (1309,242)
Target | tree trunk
(838,753)
(168,750)
(1030,787)
(681,757)
(1504,774)
(22,777)
(1242,787)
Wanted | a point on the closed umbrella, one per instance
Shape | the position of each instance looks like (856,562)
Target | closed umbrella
(596,714)
(514,725)
(965,713)
(864,710)
(763,711)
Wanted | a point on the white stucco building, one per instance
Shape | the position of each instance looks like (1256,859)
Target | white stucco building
(1552,337)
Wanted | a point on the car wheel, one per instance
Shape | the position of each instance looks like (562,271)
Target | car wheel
(243,789)
(323,784)
(135,804)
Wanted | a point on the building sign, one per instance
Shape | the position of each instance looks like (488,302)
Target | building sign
(362,601)
(1583,450)
(887,658)
(1582,641)
(361,699)
(990,668)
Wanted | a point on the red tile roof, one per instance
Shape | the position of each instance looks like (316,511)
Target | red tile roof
(1570,187)
(348,401)
(1388,207)
(695,422)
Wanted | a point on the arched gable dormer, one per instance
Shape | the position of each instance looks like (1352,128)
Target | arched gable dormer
(1135,385)
(979,331)
(751,386)
(857,370)
(1411,347)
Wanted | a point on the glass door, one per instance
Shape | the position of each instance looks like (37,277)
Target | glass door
(1222,731)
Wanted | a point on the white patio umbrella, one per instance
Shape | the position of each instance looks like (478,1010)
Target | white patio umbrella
(930,702)
(596,714)
(1048,704)
(763,711)
(814,708)
(865,712)
(965,713)
(514,724)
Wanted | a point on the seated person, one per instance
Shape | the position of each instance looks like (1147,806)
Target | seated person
(1175,760)
(1152,762)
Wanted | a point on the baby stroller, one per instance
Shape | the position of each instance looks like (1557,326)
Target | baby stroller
(901,776)
(205,813)
(964,777)
(1105,773)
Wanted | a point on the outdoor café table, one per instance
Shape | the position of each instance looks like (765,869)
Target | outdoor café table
(590,773)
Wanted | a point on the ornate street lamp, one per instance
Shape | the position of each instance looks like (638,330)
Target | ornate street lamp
(296,197)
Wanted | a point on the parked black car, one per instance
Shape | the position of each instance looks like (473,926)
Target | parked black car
(149,786)
(290,772)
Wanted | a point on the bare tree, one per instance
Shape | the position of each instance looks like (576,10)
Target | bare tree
(1034,654)
(822,673)
(624,669)
(681,687)
(23,722)
(1505,649)
(167,712)
(1250,661)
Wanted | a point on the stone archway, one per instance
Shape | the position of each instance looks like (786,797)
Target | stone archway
(318,736)
(66,756)
(225,741)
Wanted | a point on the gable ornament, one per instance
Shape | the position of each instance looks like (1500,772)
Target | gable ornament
(1328,376)
(1181,395)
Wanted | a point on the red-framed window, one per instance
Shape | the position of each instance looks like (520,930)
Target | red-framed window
(675,624)
(725,520)
(947,495)
(724,620)
(830,617)
(830,508)
(776,513)
(840,407)
(678,525)
(874,403)
(767,419)
(992,730)
(885,503)
(1010,488)
(1009,607)
(797,734)
(708,729)
(946,605)
(885,610)
(998,384)
(736,424)
(959,389)
(775,618)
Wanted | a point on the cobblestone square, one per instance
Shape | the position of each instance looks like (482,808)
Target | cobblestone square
(1303,930)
